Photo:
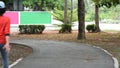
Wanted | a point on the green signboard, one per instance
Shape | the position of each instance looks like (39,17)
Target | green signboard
(35,18)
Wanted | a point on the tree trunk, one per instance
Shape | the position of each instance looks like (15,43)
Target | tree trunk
(97,18)
(71,11)
(81,19)
(65,12)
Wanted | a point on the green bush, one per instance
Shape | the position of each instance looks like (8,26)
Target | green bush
(31,29)
(65,28)
(91,28)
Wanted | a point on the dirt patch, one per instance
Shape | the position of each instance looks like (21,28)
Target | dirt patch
(18,51)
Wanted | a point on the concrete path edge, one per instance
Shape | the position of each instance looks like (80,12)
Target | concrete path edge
(116,63)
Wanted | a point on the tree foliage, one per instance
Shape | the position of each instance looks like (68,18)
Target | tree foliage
(107,3)
(6,1)
(101,3)
(44,4)
(59,15)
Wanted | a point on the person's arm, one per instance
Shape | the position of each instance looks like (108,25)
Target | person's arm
(7,45)
(7,36)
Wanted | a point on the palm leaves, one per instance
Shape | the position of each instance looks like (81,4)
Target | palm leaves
(59,15)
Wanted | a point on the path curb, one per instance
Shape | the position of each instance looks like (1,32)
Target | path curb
(116,63)
(16,62)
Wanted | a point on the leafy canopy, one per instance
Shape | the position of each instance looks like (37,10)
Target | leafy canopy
(45,4)
(107,3)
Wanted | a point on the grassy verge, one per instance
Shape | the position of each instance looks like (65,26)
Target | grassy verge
(109,41)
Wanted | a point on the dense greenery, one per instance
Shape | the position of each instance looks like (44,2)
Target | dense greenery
(59,15)
(106,15)
(43,4)
(31,29)
(47,4)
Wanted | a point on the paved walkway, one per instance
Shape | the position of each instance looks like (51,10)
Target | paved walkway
(56,54)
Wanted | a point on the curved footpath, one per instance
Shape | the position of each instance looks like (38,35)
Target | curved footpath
(57,54)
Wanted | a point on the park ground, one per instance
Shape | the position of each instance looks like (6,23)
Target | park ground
(108,40)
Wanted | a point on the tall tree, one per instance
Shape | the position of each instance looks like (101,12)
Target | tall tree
(65,11)
(97,2)
(71,12)
(97,18)
(100,3)
(81,19)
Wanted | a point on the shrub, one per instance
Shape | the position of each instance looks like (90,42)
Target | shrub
(91,28)
(65,28)
(31,29)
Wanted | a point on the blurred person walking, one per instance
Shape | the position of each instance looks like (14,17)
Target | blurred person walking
(4,35)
